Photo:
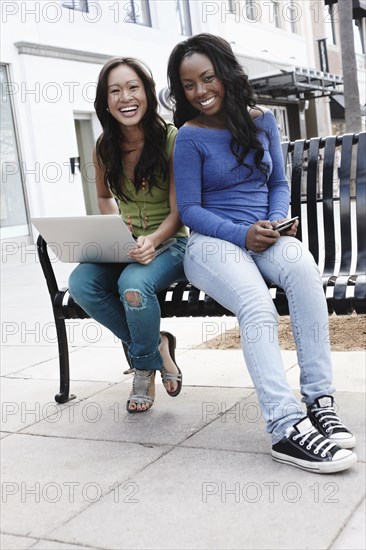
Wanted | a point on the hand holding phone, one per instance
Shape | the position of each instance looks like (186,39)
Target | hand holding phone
(284,226)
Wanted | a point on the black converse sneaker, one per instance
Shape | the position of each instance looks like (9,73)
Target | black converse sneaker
(325,420)
(304,447)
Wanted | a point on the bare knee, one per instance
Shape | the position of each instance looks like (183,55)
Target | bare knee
(133,298)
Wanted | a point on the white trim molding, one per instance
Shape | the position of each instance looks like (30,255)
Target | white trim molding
(43,50)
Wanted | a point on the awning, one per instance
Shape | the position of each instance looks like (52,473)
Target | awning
(298,83)
(337,106)
(359,7)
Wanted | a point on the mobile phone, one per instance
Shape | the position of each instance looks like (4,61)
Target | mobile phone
(285,225)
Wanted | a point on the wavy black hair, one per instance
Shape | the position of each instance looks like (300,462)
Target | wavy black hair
(152,163)
(239,93)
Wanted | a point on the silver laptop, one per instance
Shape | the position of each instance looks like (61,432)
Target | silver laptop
(95,238)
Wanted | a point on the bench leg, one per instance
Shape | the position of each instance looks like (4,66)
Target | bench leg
(63,350)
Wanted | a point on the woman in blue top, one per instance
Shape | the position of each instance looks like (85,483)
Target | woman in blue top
(232,192)
(134,178)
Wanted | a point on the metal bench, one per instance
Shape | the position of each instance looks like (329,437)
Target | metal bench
(332,213)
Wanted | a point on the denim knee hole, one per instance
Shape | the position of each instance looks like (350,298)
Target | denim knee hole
(133,299)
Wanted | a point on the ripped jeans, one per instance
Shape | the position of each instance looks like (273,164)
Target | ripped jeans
(123,298)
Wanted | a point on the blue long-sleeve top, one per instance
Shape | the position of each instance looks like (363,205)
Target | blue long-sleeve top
(215,196)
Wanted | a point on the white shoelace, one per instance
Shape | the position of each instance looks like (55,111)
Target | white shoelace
(323,441)
(333,422)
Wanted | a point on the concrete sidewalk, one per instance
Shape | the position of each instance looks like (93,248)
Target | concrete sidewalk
(193,473)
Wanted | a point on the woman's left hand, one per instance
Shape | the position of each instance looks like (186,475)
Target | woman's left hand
(145,252)
(289,232)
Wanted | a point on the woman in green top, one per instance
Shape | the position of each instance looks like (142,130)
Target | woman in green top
(134,177)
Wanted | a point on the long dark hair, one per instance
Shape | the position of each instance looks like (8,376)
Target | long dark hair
(152,163)
(238,93)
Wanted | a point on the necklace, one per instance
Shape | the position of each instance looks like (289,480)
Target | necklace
(143,218)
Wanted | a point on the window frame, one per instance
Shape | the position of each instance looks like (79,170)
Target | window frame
(22,230)
(277,14)
(231,6)
(249,10)
(184,17)
(294,27)
(358,28)
(331,29)
(146,13)
(76,5)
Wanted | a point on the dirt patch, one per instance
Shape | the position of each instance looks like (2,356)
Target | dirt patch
(347,333)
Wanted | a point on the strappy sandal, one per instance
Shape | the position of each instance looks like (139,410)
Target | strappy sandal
(140,389)
(130,369)
(168,376)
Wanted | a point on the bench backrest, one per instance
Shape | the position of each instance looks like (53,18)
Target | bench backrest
(328,192)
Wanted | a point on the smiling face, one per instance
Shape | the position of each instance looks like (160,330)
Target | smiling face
(127,101)
(202,88)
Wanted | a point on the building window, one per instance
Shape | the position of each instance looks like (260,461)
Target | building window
(137,11)
(293,15)
(250,10)
(13,212)
(276,14)
(329,23)
(184,18)
(78,5)
(281,117)
(231,6)
(359,36)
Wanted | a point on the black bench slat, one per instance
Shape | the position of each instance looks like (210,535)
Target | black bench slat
(185,300)
(311,197)
(359,302)
(361,204)
(343,305)
(345,289)
(345,203)
(296,180)
(328,207)
(280,301)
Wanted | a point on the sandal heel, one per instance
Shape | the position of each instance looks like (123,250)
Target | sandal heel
(140,389)
(167,377)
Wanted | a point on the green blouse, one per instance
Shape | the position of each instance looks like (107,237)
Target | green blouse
(145,211)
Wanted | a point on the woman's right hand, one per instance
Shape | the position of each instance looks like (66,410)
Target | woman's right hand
(145,252)
(261,236)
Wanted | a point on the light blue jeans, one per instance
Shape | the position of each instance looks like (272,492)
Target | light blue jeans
(100,289)
(237,279)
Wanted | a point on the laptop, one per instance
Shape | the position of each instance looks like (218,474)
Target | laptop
(94,238)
